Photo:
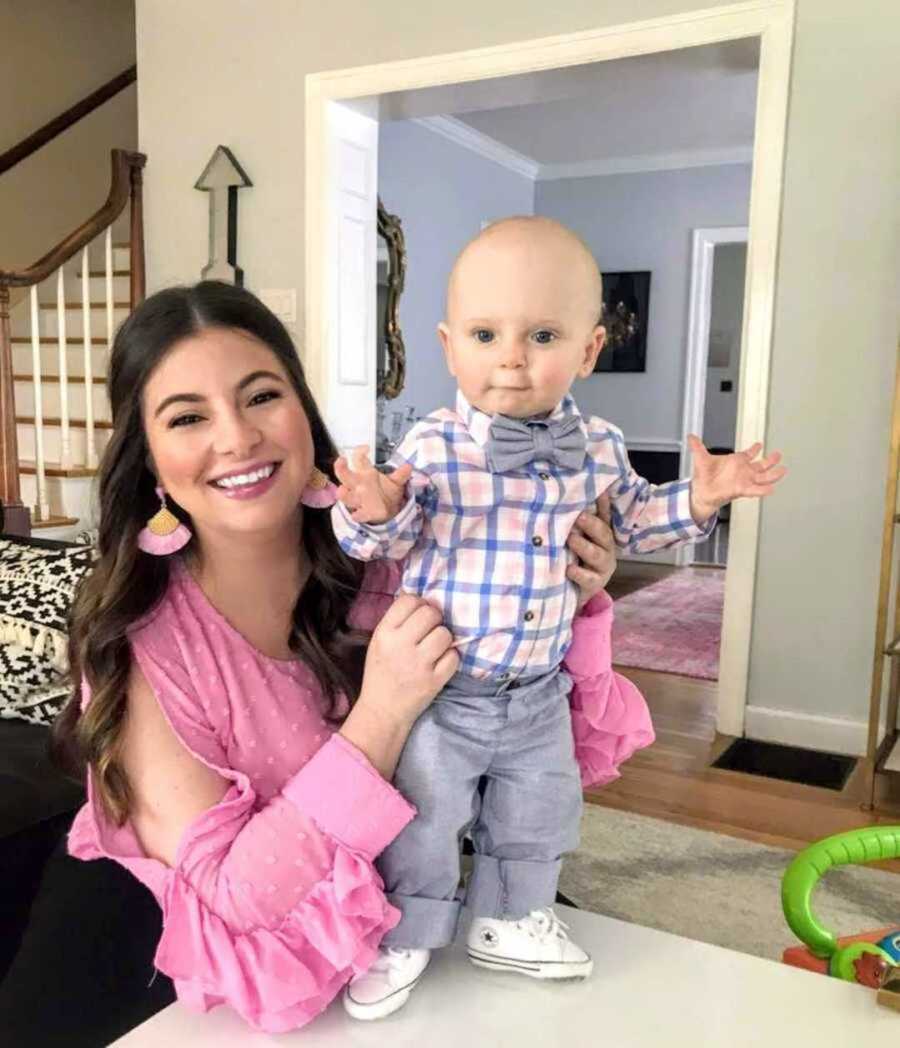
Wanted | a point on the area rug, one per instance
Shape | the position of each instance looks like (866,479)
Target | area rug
(710,887)
(673,625)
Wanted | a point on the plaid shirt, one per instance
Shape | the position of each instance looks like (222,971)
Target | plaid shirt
(489,549)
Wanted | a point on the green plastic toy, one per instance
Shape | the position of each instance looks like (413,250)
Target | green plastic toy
(858,961)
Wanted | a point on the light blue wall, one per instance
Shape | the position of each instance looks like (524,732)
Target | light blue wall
(442,193)
(644,221)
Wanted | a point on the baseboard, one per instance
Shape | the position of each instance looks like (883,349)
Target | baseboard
(665,556)
(811,732)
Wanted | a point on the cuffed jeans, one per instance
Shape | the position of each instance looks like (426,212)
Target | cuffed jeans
(519,738)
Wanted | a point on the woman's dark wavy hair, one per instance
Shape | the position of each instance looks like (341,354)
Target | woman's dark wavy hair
(126,584)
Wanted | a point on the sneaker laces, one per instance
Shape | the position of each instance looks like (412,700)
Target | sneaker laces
(543,924)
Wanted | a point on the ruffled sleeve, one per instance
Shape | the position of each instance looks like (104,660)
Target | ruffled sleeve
(610,719)
(270,907)
(272,912)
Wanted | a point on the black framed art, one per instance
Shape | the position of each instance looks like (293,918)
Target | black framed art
(626,306)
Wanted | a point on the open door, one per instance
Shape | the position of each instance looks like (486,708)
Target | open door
(349,268)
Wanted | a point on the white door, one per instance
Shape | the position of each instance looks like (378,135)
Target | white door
(349,272)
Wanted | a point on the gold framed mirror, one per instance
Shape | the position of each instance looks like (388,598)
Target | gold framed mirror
(391,351)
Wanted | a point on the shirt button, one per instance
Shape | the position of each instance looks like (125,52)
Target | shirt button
(528,616)
(544,476)
(536,540)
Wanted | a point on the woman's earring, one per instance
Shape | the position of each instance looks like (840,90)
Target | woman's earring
(164,533)
(319,492)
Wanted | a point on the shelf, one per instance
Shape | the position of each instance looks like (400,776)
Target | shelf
(892,761)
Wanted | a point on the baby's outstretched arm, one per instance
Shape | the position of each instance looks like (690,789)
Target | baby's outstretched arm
(371,497)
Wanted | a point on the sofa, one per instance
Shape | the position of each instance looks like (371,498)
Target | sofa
(36,800)
(76,939)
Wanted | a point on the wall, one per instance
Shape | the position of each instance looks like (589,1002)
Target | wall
(726,315)
(443,193)
(644,221)
(53,54)
(814,614)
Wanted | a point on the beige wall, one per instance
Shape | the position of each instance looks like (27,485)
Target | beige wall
(52,54)
(232,72)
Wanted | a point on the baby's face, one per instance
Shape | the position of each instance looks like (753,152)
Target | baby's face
(521,323)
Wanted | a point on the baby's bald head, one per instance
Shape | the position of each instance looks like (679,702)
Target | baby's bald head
(528,246)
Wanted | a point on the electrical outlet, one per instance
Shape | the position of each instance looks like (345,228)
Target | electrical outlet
(282,302)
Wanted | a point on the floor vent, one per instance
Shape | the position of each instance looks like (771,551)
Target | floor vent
(788,763)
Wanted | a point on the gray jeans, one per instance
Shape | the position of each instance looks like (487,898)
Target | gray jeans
(520,739)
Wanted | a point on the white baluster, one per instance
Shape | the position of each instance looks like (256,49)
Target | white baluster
(65,438)
(43,505)
(110,301)
(91,454)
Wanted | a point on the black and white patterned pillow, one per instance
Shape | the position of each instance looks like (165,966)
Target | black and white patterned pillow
(37,585)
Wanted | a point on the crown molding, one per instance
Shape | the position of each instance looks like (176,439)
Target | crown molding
(477,142)
(626,165)
(489,148)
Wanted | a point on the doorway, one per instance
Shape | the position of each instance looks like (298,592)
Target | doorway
(713,373)
(343,109)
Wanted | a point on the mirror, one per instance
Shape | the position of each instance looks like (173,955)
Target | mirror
(391,351)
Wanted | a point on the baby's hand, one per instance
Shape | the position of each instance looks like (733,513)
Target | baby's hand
(718,479)
(371,497)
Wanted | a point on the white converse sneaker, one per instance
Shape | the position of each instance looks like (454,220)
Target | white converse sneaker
(536,945)
(386,986)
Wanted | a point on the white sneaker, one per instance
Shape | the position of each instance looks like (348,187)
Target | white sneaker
(536,945)
(386,986)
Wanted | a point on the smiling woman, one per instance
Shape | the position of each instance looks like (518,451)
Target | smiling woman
(234,450)
(210,406)
(241,703)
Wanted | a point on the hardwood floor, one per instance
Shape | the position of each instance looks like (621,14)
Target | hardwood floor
(673,779)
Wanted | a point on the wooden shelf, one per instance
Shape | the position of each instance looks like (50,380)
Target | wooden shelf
(884,699)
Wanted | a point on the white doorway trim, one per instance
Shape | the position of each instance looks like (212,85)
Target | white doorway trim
(770,20)
(704,243)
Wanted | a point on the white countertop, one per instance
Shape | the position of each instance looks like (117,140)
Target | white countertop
(648,989)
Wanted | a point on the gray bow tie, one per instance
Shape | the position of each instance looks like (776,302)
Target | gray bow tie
(513,443)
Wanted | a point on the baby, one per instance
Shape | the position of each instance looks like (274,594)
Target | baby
(481,501)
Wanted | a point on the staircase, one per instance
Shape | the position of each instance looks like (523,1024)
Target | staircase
(57,320)
(70,452)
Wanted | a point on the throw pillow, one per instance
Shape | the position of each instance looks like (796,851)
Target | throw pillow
(37,585)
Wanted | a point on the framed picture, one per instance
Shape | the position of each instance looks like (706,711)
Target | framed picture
(626,306)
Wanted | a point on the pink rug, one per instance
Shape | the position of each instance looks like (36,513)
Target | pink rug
(673,625)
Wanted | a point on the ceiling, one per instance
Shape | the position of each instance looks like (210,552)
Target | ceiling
(695,100)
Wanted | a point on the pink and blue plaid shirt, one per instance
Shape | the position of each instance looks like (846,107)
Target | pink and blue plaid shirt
(489,549)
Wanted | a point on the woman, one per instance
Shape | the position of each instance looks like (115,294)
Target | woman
(244,699)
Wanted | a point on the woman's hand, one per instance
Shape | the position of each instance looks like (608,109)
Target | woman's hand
(591,540)
(410,658)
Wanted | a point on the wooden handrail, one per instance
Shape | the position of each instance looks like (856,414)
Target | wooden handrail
(126,174)
(64,121)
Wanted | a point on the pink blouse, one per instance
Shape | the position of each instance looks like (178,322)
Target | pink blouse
(273,902)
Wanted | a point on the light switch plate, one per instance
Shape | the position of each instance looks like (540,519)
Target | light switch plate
(282,302)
